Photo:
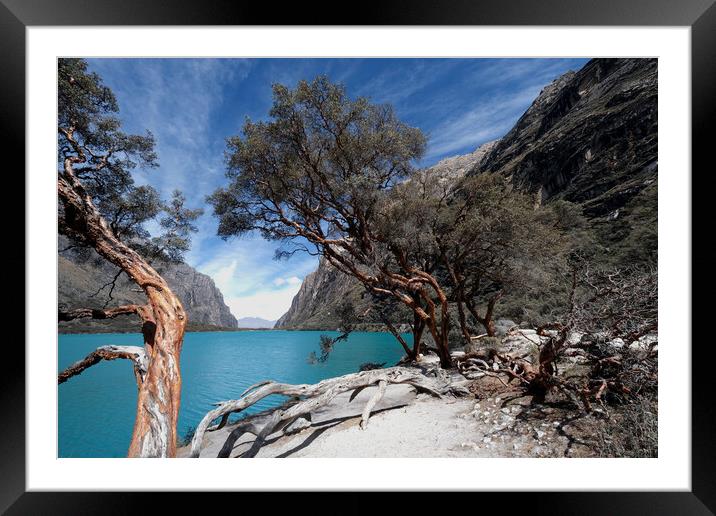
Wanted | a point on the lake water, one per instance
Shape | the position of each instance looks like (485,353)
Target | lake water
(96,409)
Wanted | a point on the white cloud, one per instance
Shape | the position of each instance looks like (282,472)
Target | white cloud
(266,304)
(488,120)
(292,280)
(224,276)
(252,282)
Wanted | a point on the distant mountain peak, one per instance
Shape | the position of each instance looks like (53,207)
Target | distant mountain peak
(255,322)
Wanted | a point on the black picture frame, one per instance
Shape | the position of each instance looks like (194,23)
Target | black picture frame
(17,15)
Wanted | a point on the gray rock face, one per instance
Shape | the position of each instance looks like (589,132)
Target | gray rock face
(590,137)
(81,275)
(458,166)
(313,307)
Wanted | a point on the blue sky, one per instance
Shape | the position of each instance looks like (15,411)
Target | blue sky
(193,105)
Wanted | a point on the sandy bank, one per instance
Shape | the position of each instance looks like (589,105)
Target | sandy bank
(407,424)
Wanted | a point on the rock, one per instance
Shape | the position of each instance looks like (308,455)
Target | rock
(645,343)
(429,359)
(82,271)
(502,326)
(574,337)
(564,144)
(521,342)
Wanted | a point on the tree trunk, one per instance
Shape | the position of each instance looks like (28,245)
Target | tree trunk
(463,322)
(163,326)
(485,321)
(418,327)
(488,322)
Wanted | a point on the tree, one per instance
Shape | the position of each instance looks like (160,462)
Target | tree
(318,174)
(101,208)
(494,242)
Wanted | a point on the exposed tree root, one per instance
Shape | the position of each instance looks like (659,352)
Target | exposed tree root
(312,396)
(607,374)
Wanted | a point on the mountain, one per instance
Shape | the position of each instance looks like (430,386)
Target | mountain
(82,273)
(255,322)
(313,307)
(590,137)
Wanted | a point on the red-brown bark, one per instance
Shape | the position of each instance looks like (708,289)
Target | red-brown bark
(164,321)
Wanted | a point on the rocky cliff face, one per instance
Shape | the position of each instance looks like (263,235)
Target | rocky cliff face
(590,137)
(314,305)
(82,273)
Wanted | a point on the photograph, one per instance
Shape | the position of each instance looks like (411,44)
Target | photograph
(344,257)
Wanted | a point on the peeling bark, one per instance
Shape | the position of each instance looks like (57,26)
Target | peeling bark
(164,319)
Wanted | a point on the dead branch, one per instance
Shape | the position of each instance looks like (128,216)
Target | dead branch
(136,354)
(95,313)
(382,385)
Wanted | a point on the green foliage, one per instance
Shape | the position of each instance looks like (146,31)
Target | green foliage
(346,314)
(178,225)
(321,163)
(103,157)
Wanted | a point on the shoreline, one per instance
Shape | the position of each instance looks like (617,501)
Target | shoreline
(411,425)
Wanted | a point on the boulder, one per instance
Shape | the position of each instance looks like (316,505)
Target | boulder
(502,326)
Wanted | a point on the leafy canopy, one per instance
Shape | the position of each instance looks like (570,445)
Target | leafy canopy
(318,167)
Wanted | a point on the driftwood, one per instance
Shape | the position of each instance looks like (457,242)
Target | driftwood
(310,397)
(136,354)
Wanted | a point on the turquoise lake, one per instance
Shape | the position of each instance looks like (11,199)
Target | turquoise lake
(96,409)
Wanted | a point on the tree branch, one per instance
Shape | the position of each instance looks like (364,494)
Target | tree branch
(95,313)
(136,354)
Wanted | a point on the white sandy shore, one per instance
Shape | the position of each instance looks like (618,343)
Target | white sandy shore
(407,425)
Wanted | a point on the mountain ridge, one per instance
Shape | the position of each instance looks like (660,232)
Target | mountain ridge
(590,137)
(255,323)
